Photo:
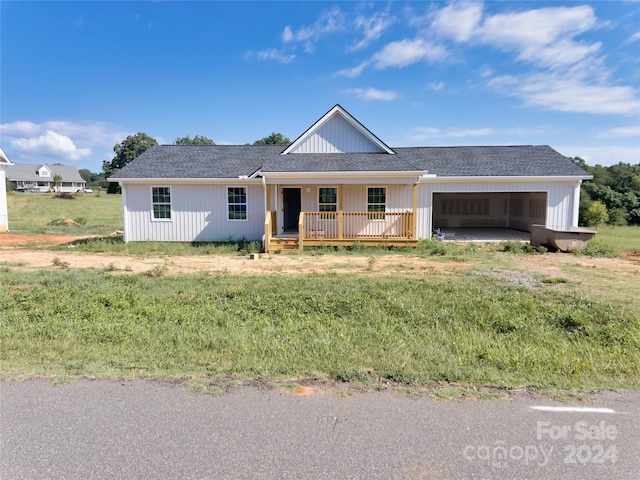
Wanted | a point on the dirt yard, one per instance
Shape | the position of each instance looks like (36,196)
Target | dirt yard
(19,252)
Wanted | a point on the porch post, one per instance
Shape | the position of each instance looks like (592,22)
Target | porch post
(340,216)
(268,205)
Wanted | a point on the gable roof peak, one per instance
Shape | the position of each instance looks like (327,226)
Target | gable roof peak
(363,140)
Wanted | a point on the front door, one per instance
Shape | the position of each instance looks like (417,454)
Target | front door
(291,206)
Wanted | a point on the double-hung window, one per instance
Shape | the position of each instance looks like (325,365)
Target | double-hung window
(237,203)
(376,202)
(327,201)
(161,202)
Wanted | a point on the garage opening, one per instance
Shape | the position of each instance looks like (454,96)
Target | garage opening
(508,210)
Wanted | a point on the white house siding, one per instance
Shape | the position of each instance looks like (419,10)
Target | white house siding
(337,136)
(198,214)
(4,220)
(560,198)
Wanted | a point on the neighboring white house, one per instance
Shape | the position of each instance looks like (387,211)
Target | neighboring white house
(4,218)
(337,184)
(40,178)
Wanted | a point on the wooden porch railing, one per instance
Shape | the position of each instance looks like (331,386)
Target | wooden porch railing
(356,225)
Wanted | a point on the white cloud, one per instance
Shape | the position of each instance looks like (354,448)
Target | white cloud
(287,35)
(633,38)
(50,144)
(59,140)
(274,54)
(426,133)
(372,94)
(568,93)
(458,20)
(352,72)
(620,132)
(405,52)
(539,27)
(373,27)
(330,21)
(435,86)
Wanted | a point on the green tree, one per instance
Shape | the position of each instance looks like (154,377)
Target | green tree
(57,181)
(596,214)
(130,148)
(85,174)
(273,139)
(197,140)
(617,217)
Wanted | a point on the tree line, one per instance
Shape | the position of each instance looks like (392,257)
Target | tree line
(612,196)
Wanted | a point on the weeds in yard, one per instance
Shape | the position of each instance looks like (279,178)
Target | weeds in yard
(597,248)
(59,263)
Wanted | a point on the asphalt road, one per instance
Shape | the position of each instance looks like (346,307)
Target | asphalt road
(147,429)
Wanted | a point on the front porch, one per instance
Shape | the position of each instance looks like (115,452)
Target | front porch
(333,229)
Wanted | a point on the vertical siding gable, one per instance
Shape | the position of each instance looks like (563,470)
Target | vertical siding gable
(337,135)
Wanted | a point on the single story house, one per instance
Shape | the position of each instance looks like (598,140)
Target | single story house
(40,178)
(4,218)
(337,184)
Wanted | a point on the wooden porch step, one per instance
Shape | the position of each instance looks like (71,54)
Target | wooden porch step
(286,244)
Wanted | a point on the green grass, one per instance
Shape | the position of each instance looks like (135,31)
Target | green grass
(37,214)
(623,239)
(448,328)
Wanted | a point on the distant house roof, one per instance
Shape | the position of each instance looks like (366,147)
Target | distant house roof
(29,173)
(234,161)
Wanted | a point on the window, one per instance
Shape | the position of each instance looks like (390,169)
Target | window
(237,202)
(327,201)
(376,202)
(161,200)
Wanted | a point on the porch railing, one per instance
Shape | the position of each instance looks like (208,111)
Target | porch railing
(357,225)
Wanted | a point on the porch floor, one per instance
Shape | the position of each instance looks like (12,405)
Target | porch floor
(485,234)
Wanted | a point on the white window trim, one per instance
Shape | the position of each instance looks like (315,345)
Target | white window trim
(246,190)
(318,199)
(153,218)
(385,203)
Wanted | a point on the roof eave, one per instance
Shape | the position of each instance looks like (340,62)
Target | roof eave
(505,178)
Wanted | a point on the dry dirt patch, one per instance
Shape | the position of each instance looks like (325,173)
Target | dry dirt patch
(17,251)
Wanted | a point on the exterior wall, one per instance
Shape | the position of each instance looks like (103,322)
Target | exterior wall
(198,213)
(4,219)
(337,136)
(560,199)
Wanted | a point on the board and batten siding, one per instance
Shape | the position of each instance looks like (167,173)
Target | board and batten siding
(198,214)
(560,199)
(337,136)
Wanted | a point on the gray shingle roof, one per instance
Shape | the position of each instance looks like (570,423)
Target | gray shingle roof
(199,161)
(337,162)
(233,161)
(508,161)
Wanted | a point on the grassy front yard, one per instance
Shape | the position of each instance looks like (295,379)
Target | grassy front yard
(42,213)
(466,327)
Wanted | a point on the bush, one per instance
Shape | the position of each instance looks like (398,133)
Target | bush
(597,248)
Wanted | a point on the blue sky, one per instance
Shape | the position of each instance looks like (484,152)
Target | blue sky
(77,77)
